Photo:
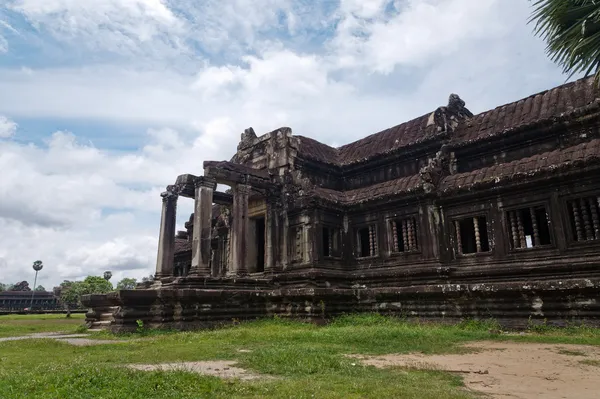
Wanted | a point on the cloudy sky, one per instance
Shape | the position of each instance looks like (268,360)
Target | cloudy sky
(104,102)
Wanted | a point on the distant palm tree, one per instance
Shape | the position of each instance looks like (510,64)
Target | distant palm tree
(571,29)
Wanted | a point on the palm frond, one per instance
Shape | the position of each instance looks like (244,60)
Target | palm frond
(571,30)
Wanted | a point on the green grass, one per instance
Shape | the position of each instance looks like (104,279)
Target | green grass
(16,325)
(569,352)
(590,362)
(305,361)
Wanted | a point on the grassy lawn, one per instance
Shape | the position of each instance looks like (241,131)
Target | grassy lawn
(15,325)
(303,361)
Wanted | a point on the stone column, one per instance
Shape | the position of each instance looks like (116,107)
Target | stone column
(166,239)
(201,248)
(271,233)
(237,265)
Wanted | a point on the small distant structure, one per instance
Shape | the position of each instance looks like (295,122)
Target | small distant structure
(20,301)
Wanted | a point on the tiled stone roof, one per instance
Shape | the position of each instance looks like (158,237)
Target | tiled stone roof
(182,245)
(542,107)
(539,164)
(402,185)
(529,111)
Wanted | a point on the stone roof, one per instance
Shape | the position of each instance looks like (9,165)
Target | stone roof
(402,185)
(546,163)
(182,245)
(388,140)
(544,106)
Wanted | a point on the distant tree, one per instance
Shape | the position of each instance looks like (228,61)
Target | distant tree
(40,288)
(147,279)
(127,284)
(571,29)
(70,292)
(21,286)
(96,285)
(4,287)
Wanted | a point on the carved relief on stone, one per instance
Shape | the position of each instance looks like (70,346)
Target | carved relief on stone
(247,138)
(436,168)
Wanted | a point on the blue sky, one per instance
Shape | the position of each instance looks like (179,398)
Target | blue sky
(103,103)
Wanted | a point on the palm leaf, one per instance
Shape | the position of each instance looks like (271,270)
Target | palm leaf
(571,29)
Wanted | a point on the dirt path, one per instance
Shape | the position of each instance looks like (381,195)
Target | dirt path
(217,368)
(515,370)
(73,339)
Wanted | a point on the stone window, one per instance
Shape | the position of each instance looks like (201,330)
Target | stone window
(404,235)
(583,218)
(331,242)
(471,235)
(366,239)
(529,227)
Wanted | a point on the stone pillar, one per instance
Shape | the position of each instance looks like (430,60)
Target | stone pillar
(201,248)
(237,265)
(271,234)
(166,239)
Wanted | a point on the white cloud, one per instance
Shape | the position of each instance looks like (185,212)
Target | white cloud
(7,127)
(114,25)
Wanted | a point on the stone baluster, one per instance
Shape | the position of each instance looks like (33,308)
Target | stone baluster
(166,240)
(405,236)
(578,230)
(371,242)
(458,237)
(411,237)
(477,236)
(414,234)
(395,236)
(513,227)
(589,233)
(201,242)
(521,229)
(536,230)
(375,241)
(330,241)
(595,221)
(241,192)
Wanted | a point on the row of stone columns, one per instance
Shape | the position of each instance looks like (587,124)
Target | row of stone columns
(201,239)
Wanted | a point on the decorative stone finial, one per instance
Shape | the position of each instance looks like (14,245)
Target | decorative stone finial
(456,105)
(247,138)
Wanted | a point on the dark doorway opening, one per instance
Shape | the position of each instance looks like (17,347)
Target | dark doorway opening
(364,242)
(326,242)
(260,244)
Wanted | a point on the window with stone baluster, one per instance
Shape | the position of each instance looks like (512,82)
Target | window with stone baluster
(331,245)
(405,235)
(584,216)
(528,227)
(471,235)
(366,241)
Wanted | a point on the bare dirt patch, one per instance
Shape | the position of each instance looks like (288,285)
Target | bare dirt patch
(217,368)
(513,370)
(72,339)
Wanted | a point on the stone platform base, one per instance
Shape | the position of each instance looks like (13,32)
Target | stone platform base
(513,304)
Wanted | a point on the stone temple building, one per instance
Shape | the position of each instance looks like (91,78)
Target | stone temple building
(447,216)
